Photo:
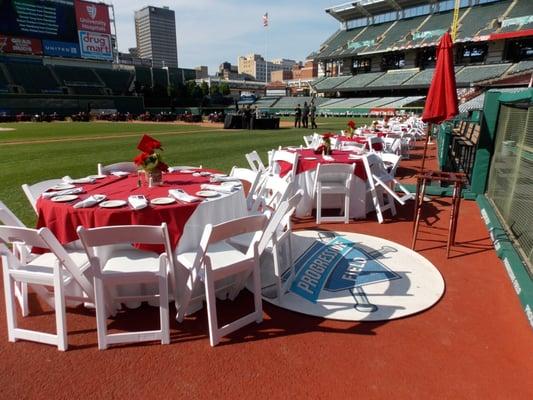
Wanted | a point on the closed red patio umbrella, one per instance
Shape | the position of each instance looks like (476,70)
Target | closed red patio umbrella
(441,102)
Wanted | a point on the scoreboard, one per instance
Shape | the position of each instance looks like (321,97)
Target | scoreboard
(66,28)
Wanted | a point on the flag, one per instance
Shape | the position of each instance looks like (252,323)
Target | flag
(265,20)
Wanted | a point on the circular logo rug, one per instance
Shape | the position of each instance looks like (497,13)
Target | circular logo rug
(349,276)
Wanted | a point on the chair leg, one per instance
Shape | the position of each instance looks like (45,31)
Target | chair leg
(277,271)
(258,301)
(61,320)
(347,207)
(210,295)
(163,308)
(101,322)
(318,206)
(9,291)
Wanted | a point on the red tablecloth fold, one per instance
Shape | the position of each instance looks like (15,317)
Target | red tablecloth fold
(63,219)
(308,160)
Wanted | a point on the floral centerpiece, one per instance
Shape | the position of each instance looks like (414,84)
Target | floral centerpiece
(150,160)
(325,147)
(351,128)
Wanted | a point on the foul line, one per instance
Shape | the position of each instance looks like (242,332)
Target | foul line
(113,136)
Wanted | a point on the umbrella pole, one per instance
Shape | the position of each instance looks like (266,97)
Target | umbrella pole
(430,127)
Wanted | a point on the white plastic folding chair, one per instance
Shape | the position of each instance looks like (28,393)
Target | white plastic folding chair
(273,190)
(125,166)
(33,192)
(333,179)
(57,269)
(375,143)
(216,261)
(380,183)
(391,162)
(275,238)
(288,157)
(256,164)
(392,145)
(115,262)
(308,140)
(253,178)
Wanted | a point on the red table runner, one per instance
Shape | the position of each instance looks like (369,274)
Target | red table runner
(63,219)
(308,160)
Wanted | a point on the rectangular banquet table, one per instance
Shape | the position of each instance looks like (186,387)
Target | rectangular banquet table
(305,178)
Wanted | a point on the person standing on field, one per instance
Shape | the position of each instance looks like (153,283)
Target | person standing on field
(298,116)
(312,114)
(305,115)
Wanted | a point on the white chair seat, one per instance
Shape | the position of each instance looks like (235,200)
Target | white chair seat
(131,261)
(222,255)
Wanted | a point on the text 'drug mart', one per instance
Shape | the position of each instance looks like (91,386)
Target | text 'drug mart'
(353,277)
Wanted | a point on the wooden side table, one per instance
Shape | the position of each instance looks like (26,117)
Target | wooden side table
(458,180)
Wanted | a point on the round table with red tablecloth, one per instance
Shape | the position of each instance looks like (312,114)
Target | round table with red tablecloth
(305,178)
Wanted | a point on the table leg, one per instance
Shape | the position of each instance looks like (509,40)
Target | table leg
(452,221)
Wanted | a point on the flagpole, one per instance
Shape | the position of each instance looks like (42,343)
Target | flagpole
(266,54)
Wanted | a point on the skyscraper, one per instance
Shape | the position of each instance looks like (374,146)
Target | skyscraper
(155,31)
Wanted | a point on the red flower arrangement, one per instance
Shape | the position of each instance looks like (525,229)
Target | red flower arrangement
(325,147)
(351,124)
(150,160)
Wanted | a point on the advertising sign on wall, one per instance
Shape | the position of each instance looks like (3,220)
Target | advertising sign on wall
(92,17)
(96,45)
(61,49)
(9,44)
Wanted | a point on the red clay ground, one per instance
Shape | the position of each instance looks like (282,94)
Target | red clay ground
(474,344)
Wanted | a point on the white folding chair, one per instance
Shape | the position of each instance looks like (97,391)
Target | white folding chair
(33,192)
(392,145)
(217,261)
(333,179)
(380,183)
(276,236)
(272,191)
(391,162)
(125,166)
(256,164)
(253,178)
(63,271)
(288,157)
(375,143)
(115,262)
(308,140)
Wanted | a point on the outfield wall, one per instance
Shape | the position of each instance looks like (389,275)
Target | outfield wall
(67,104)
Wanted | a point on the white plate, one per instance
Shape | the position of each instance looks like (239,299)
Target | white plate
(120,173)
(218,175)
(64,198)
(113,203)
(162,200)
(186,171)
(63,186)
(207,193)
(97,176)
(310,158)
(231,184)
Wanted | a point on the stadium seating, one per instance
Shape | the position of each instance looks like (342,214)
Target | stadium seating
(77,76)
(337,41)
(398,32)
(349,103)
(292,102)
(521,8)
(436,23)
(475,73)
(118,81)
(159,77)
(480,17)
(143,76)
(266,102)
(371,33)
(423,78)
(382,102)
(330,83)
(407,101)
(359,81)
(521,67)
(3,82)
(33,77)
(393,78)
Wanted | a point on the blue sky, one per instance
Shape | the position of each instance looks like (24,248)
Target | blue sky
(212,31)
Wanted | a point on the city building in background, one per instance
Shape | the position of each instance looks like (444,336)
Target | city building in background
(256,66)
(155,32)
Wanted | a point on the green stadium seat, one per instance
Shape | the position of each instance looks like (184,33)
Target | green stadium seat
(481,17)
(330,83)
(359,81)
(33,77)
(118,81)
(521,8)
(77,76)
(398,32)
(393,78)
(475,73)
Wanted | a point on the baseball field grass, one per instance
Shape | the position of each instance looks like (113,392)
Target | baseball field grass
(33,152)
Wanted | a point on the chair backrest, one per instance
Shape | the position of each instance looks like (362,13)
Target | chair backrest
(33,192)
(251,177)
(334,173)
(126,166)
(374,166)
(392,144)
(280,219)
(256,164)
(273,191)
(286,156)
(45,239)
(123,234)
(7,217)
(375,143)
(308,140)
(393,159)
